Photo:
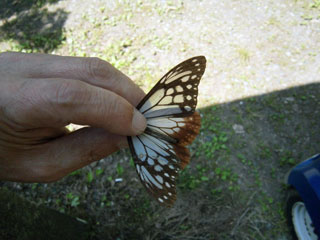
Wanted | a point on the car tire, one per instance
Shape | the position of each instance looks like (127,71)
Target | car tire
(298,217)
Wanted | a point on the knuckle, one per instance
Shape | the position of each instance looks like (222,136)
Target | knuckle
(118,108)
(119,112)
(93,67)
(112,106)
(64,93)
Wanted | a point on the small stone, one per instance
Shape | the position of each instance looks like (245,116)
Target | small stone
(118,180)
(239,129)
(288,99)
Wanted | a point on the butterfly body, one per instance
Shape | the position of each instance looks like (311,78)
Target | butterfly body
(172,123)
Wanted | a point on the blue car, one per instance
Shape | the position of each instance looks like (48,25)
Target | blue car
(303,200)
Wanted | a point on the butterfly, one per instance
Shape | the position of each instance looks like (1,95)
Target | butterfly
(172,123)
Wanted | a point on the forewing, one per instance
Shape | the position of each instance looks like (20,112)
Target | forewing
(176,92)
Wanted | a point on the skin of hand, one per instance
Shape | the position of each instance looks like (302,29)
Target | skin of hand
(41,94)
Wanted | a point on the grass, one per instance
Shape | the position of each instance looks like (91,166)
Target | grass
(244,54)
(315,4)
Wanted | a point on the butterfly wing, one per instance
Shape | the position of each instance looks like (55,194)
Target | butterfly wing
(172,123)
(176,92)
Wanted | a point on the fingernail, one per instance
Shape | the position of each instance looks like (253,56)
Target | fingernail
(139,122)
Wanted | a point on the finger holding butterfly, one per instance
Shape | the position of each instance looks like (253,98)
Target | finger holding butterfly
(41,94)
(48,93)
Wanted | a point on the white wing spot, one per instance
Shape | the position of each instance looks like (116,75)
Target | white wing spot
(199,69)
(195,60)
(187,108)
(150,178)
(158,168)
(167,184)
(145,106)
(166,174)
(166,100)
(179,88)
(162,161)
(170,91)
(169,131)
(189,97)
(189,86)
(139,148)
(165,197)
(178,98)
(161,122)
(156,96)
(160,179)
(171,150)
(171,166)
(153,143)
(169,193)
(138,169)
(176,76)
(160,200)
(150,162)
(181,124)
(142,176)
(152,153)
(185,79)
(193,76)
(197,64)
(175,160)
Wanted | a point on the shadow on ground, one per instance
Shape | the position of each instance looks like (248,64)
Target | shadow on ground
(232,189)
(32,25)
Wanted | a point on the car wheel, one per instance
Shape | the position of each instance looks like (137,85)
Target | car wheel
(298,217)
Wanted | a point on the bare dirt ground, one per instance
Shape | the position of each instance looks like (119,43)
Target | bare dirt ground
(259,100)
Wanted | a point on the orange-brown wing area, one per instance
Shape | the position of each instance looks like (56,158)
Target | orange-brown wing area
(187,133)
(186,136)
(179,131)
(183,154)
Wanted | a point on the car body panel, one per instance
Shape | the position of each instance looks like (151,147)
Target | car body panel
(305,178)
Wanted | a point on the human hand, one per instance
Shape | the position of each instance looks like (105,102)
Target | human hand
(40,94)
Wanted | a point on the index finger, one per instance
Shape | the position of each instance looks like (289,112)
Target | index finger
(90,70)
